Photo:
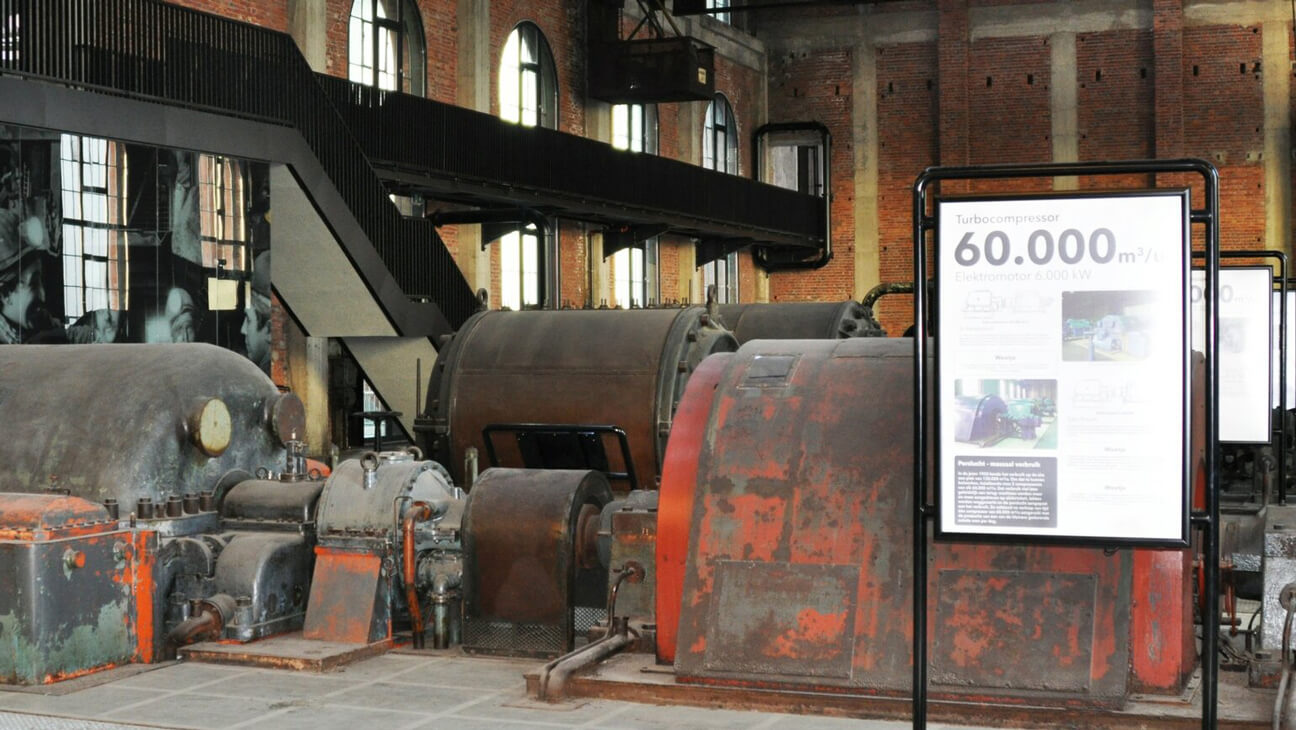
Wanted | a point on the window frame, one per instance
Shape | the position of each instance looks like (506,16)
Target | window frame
(410,52)
(720,132)
(540,71)
(93,217)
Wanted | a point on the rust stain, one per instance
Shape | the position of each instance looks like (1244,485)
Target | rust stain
(815,631)
(140,562)
(339,609)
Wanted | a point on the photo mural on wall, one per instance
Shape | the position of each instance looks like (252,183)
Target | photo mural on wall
(103,241)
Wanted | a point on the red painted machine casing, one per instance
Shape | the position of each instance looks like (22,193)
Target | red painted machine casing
(795,480)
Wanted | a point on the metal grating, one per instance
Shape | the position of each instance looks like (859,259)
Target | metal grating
(511,639)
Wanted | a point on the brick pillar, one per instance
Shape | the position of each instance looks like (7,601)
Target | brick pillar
(952,61)
(1167,49)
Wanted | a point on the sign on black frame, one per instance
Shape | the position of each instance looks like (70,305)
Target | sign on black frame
(1063,368)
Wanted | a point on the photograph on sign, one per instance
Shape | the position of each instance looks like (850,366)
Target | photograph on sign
(1245,359)
(1062,367)
(1274,319)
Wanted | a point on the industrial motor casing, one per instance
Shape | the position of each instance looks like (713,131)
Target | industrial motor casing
(74,585)
(623,368)
(798,506)
(136,423)
(798,321)
(357,587)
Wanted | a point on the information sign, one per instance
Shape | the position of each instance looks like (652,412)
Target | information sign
(1274,320)
(1061,367)
(1245,361)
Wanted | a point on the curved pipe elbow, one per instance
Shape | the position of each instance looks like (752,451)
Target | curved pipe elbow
(418,512)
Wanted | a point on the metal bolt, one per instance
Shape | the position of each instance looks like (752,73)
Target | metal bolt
(73,559)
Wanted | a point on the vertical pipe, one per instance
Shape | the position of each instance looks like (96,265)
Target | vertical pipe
(1210,628)
(1282,377)
(919,458)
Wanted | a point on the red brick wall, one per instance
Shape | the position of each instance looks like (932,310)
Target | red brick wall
(908,124)
(1223,121)
(265,13)
(1115,93)
(1009,118)
(818,88)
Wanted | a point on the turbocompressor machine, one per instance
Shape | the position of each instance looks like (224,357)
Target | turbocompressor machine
(779,550)
(134,504)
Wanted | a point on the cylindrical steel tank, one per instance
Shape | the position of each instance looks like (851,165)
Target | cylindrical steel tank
(784,550)
(797,321)
(624,368)
(133,422)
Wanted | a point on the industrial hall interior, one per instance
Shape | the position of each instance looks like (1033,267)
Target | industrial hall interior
(647,364)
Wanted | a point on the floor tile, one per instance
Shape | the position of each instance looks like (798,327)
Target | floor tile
(470,673)
(193,710)
(405,697)
(325,717)
(94,702)
(516,707)
(277,685)
(185,675)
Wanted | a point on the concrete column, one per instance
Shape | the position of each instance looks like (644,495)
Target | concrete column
(690,279)
(308,24)
(599,276)
(473,91)
(760,285)
(1277,143)
(473,80)
(864,140)
(1063,105)
(308,377)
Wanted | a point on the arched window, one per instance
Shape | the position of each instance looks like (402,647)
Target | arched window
(634,128)
(528,83)
(528,95)
(385,46)
(720,153)
(720,137)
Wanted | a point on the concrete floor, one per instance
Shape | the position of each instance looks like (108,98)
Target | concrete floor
(393,691)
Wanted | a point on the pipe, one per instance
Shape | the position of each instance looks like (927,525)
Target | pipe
(554,675)
(1287,598)
(445,591)
(417,512)
(213,614)
(761,254)
(470,466)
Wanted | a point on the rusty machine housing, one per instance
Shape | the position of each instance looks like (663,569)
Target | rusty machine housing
(524,372)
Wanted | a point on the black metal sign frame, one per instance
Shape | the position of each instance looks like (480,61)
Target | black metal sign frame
(925,510)
(945,532)
(1283,285)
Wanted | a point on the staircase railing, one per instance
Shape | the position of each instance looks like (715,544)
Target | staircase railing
(149,49)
